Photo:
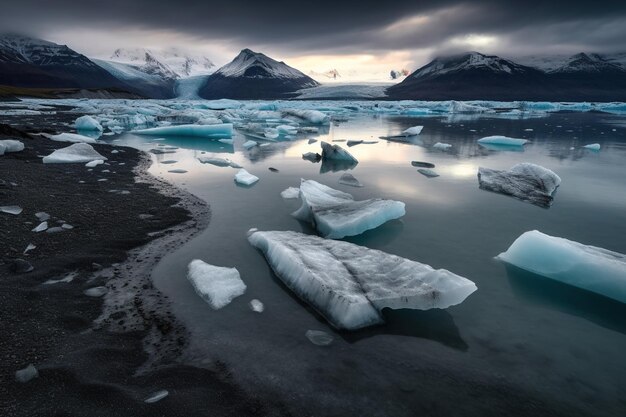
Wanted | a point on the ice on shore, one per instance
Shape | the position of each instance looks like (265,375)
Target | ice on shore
(41,227)
(290,193)
(442,146)
(10,145)
(350,284)
(224,130)
(256,306)
(96,291)
(71,137)
(528,182)
(78,152)
(156,396)
(336,152)
(94,163)
(335,214)
(588,267)
(26,374)
(217,285)
(245,178)
(413,131)
(87,123)
(42,216)
(502,140)
(593,146)
(15,210)
(319,337)
(349,179)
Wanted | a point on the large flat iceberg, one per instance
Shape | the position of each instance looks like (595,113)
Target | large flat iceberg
(528,182)
(224,130)
(217,285)
(350,284)
(78,152)
(587,267)
(335,214)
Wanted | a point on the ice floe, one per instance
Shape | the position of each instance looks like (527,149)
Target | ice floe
(528,182)
(350,284)
(78,152)
(502,140)
(588,267)
(336,214)
(245,178)
(217,285)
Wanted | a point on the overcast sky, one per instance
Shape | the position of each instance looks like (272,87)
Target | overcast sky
(362,39)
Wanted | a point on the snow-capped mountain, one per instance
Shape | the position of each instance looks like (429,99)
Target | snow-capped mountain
(582,62)
(254,75)
(467,62)
(167,63)
(332,74)
(30,62)
(587,63)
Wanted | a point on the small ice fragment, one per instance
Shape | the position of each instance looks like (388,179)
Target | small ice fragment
(42,226)
(312,156)
(592,146)
(290,193)
(156,396)
(422,164)
(428,172)
(169,161)
(15,210)
(67,226)
(442,146)
(311,141)
(94,163)
(502,140)
(29,248)
(96,291)
(55,230)
(528,130)
(26,374)
(227,141)
(413,131)
(67,279)
(245,178)
(217,285)
(273,169)
(178,171)
(319,338)
(11,145)
(354,142)
(257,306)
(250,144)
(349,179)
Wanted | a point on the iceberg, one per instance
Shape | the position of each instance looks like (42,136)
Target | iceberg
(588,267)
(349,284)
(87,123)
(528,182)
(502,140)
(335,214)
(10,145)
(349,179)
(224,130)
(71,137)
(217,285)
(336,152)
(593,146)
(245,178)
(312,156)
(78,152)
(290,193)
(413,131)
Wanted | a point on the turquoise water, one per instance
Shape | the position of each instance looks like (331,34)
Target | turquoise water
(520,342)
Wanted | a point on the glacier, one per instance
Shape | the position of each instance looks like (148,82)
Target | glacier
(217,285)
(588,267)
(87,123)
(336,214)
(502,140)
(526,181)
(78,152)
(349,284)
(224,130)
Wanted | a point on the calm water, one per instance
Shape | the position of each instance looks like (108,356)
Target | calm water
(520,342)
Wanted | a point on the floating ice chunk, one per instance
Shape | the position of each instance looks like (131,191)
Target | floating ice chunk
(42,226)
(156,396)
(350,284)
(335,214)
(224,130)
(227,141)
(336,152)
(354,142)
(593,146)
(271,133)
(177,171)
(245,178)
(78,152)
(220,162)
(428,172)
(96,291)
(250,144)
(169,162)
(311,141)
(502,140)
(217,285)
(87,123)
(94,163)
(290,193)
(257,306)
(26,374)
(413,131)
(442,146)
(71,137)
(287,129)
(528,182)
(349,179)
(587,267)
(42,216)
(222,104)
(319,338)
(311,116)
(11,145)
(312,156)
(422,164)
(15,210)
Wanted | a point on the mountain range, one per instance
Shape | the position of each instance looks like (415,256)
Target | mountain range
(30,66)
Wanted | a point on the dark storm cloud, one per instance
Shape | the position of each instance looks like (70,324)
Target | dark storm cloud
(333,26)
